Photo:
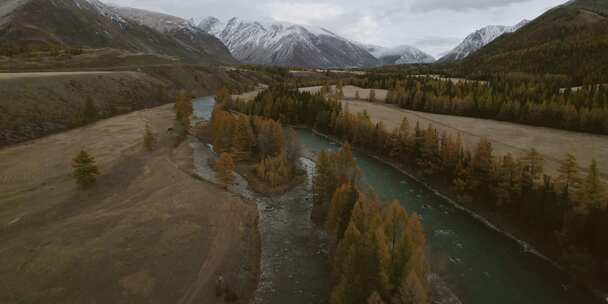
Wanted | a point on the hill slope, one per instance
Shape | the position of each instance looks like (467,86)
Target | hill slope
(286,44)
(182,30)
(89,24)
(479,39)
(571,39)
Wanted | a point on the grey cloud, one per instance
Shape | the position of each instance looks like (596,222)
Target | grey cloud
(424,6)
(436,41)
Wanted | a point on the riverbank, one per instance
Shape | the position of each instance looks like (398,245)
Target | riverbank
(495,221)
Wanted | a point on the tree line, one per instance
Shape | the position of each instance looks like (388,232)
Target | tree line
(539,101)
(378,253)
(568,211)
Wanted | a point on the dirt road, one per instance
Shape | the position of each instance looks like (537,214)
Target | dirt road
(4,76)
(146,233)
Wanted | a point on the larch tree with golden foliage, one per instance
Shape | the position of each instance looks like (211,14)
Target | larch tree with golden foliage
(183,108)
(149,139)
(224,167)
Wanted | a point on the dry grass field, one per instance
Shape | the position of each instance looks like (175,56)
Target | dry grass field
(350,92)
(506,137)
(148,232)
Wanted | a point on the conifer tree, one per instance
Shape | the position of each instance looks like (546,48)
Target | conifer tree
(224,167)
(592,192)
(324,183)
(346,167)
(481,169)
(568,178)
(149,139)
(342,204)
(85,170)
(412,291)
(532,168)
(242,138)
(183,108)
(506,181)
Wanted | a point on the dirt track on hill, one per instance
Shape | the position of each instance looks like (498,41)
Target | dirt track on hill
(4,76)
(146,233)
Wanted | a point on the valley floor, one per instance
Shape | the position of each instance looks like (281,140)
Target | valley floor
(147,232)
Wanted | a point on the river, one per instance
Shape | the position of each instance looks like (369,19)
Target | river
(479,264)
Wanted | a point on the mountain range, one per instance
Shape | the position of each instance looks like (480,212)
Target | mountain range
(286,44)
(91,24)
(569,39)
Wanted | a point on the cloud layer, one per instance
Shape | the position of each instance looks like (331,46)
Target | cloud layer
(460,5)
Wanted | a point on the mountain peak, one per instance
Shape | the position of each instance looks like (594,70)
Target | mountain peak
(479,39)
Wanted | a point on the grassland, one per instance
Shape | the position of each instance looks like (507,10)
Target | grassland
(148,232)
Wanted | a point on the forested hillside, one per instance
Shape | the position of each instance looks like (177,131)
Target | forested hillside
(571,39)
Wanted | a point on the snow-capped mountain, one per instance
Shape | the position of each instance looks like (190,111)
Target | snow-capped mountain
(286,44)
(403,54)
(479,39)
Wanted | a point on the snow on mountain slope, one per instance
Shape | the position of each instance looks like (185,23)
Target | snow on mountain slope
(403,54)
(190,36)
(104,10)
(479,39)
(158,21)
(286,44)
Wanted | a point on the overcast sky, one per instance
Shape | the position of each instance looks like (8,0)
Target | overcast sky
(435,26)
